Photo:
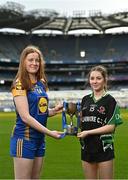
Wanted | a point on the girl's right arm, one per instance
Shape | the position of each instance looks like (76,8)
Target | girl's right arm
(21,103)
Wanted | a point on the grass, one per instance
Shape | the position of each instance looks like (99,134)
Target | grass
(62,160)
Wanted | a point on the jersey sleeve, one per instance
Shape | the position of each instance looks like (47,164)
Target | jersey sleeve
(116,117)
(18,90)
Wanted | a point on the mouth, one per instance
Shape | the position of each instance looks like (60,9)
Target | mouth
(94,85)
(34,68)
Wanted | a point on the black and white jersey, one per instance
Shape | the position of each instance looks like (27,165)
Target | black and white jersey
(96,114)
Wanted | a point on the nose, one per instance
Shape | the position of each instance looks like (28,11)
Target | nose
(34,62)
(95,80)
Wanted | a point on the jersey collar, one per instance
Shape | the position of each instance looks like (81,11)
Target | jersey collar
(92,95)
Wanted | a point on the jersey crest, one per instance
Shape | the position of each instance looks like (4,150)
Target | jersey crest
(43,104)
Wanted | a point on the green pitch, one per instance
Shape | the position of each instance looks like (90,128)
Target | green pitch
(62,160)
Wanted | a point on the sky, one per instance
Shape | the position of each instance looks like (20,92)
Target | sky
(69,7)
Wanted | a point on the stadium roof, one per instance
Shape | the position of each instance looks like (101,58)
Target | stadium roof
(13,15)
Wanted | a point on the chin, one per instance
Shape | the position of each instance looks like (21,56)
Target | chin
(97,89)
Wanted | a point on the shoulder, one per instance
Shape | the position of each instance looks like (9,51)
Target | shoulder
(18,90)
(87,97)
(44,84)
(18,84)
(110,102)
(42,80)
(110,98)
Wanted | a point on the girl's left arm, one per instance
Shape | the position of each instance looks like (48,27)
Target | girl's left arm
(102,130)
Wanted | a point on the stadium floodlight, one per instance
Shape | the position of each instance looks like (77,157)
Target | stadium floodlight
(82,53)
(2,81)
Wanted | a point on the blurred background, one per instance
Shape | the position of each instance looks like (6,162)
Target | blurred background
(71,42)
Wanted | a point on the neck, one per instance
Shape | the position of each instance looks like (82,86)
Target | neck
(32,77)
(99,94)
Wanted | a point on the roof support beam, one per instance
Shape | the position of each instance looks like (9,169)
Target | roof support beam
(42,25)
(67,25)
(94,24)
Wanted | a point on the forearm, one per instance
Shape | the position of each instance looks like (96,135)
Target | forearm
(102,130)
(32,122)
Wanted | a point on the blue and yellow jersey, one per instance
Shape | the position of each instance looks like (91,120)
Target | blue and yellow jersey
(38,108)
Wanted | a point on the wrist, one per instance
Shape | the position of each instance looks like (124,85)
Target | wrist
(87,132)
(52,112)
(49,133)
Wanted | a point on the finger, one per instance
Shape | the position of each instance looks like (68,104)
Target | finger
(78,137)
(62,135)
(60,132)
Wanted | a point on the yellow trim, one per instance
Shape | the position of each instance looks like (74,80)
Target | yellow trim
(19,147)
(20,92)
(27,133)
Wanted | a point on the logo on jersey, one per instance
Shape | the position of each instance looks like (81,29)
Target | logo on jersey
(117,116)
(101,110)
(43,105)
(92,107)
(37,89)
(18,86)
(18,90)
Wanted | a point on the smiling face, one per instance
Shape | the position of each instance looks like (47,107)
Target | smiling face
(32,63)
(97,81)
(31,67)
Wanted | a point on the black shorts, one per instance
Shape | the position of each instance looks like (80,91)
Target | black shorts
(97,157)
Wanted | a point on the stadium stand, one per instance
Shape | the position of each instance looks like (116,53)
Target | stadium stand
(6,101)
(63,63)
(68,57)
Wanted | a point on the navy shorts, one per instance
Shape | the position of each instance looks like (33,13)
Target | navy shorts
(29,149)
(97,157)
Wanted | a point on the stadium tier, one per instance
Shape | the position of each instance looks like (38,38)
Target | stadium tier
(65,68)
(68,57)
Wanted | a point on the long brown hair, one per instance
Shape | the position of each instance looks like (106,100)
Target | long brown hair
(103,72)
(22,74)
